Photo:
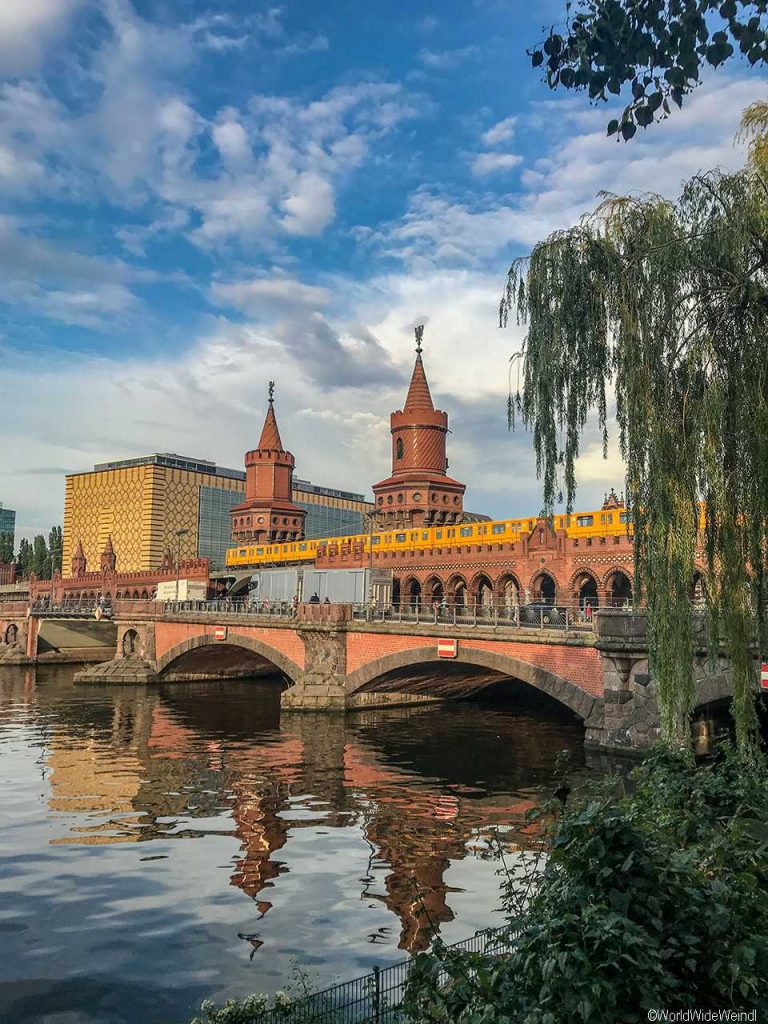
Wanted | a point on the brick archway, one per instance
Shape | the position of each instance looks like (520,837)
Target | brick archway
(284,664)
(576,699)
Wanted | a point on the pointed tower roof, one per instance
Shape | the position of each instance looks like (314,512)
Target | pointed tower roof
(419,398)
(270,435)
(108,548)
(79,553)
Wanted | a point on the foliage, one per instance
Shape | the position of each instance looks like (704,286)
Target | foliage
(6,547)
(657,47)
(666,304)
(657,898)
(39,557)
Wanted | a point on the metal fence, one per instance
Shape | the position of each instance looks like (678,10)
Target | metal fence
(375,998)
(525,616)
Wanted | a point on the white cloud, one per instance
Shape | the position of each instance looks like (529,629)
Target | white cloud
(310,206)
(502,131)
(445,60)
(27,29)
(494,163)
(264,294)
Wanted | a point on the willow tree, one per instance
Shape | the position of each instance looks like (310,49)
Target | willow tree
(658,310)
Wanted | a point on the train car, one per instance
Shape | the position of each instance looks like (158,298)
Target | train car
(577,526)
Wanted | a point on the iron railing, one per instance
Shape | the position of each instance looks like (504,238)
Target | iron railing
(376,998)
(527,616)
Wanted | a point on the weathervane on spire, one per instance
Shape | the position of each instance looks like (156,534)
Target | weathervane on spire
(271,392)
(419,335)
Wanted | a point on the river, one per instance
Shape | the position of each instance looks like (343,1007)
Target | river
(162,846)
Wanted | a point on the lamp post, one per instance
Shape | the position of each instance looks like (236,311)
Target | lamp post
(179,535)
(369,517)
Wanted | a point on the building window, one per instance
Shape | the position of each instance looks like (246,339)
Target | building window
(399,448)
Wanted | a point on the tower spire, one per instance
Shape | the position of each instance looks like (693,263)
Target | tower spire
(270,435)
(419,398)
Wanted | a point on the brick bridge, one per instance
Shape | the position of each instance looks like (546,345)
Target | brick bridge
(325,659)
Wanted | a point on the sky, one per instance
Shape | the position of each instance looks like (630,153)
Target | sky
(199,197)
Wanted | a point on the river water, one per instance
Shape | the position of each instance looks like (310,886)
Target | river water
(166,845)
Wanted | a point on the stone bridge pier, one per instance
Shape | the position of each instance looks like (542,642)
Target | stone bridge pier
(15,634)
(629,718)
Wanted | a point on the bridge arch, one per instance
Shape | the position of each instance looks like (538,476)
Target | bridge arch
(282,663)
(577,700)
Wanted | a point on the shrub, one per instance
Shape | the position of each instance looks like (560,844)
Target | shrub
(653,897)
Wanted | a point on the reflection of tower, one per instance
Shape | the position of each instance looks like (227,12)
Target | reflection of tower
(268,512)
(419,849)
(419,492)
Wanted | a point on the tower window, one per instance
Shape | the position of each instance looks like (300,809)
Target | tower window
(399,448)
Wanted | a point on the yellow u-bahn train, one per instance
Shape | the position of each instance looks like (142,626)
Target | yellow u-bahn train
(601,523)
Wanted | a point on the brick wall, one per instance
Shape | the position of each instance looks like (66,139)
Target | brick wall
(287,641)
(579,665)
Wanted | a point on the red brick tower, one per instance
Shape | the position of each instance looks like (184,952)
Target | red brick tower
(108,557)
(419,492)
(268,513)
(79,563)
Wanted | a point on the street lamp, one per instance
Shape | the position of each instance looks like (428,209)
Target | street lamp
(369,517)
(179,535)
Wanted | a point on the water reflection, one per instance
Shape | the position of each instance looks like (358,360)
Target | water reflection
(336,842)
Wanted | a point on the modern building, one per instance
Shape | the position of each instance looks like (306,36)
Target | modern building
(330,512)
(143,503)
(8,522)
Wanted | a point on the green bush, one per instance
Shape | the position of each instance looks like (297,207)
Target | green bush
(654,895)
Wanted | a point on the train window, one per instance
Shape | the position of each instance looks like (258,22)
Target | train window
(451,533)
(242,553)
(302,547)
(530,524)
(425,536)
(400,537)
(438,534)
(561,522)
(285,547)
(465,531)
(259,551)
(584,520)
(414,536)
(375,540)
(610,517)
(498,528)
(602,518)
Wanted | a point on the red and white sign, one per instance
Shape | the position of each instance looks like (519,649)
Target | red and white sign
(447,648)
(764,675)
(220,633)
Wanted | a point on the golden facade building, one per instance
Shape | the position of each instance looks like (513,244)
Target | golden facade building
(141,504)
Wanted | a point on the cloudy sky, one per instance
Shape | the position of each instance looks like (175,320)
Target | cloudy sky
(197,197)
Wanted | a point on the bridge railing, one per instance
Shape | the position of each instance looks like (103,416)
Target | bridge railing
(563,616)
(71,610)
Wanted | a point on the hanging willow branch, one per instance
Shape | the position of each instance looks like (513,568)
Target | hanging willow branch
(665,305)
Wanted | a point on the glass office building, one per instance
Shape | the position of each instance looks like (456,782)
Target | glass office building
(8,523)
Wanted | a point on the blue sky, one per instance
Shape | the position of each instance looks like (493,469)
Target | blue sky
(196,197)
